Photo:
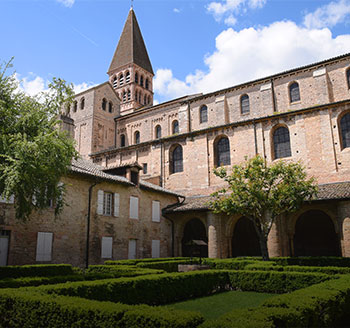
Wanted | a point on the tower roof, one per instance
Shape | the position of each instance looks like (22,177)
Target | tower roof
(131,47)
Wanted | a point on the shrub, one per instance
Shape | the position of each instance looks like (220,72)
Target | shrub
(168,266)
(322,261)
(135,261)
(229,264)
(40,270)
(116,271)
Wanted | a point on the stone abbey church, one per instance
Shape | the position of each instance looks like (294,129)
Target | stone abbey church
(148,169)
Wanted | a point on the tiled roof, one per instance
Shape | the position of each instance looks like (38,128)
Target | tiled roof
(329,191)
(131,47)
(85,167)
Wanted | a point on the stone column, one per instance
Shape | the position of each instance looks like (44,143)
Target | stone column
(213,224)
(344,220)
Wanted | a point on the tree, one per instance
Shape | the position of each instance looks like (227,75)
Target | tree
(262,193)
(34,153)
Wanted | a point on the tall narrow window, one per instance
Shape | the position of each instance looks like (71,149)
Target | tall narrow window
(203,114)
(137,137)
(110,107)
(136,78)
(122,140)
(281,143)
(348,77)
(107,203)
(145,100)
(158,132)
(129,95)
(82,103)
(136,94)
(144,168)
(245,106)
(124,96)
(140,96)
(104,103)
(222,152)
(121,80)
(141,81)
(175,127)
(345,131)
(176,160)
(147,84)
(127,77)
(115,82)
(44,246)
(75,106)
(294,92)
(149,99)
(106,247)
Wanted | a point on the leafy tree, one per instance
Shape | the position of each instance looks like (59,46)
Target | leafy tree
(262,193)
(34,152)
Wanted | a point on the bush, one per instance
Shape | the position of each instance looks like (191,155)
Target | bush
(117,271)
(168,266)
(134,262)
(322,261)
(40,270)
(23,309)
(229,264)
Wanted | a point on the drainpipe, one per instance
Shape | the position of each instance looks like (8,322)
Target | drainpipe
(88,226)
(172,222)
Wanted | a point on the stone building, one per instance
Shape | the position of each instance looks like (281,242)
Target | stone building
(298,115)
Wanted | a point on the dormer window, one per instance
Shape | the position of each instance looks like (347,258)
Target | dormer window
(294,92)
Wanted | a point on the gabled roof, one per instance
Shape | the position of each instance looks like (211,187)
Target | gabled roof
(131,47)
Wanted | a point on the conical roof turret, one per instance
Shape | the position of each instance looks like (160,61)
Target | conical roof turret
(131,47)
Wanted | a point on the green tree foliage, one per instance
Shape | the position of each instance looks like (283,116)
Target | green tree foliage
(262,193)
(34,153)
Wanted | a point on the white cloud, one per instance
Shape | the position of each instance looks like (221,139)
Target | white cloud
(66,3)
(82,86)
(328,15)
(231,8)
(252,53)
(176,10)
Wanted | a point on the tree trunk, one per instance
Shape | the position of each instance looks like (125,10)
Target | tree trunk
(263,247)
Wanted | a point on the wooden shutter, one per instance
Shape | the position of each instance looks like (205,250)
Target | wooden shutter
(134,207)
(155,248)
(106,248)
(100,202)
(155,211)
(116,204)
(44,246)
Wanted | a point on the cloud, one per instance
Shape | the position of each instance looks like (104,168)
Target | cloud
(176,10)
(252,53)
(231,8)
(82,86)
(66,3)
(328,15)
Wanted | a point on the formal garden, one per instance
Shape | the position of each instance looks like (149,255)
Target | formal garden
(241,292)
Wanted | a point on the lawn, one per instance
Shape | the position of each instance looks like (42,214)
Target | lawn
(216,305)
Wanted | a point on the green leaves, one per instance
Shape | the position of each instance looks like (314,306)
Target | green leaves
(34,153)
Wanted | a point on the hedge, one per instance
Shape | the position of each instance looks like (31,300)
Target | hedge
(322,261)
(230,264)
(168,266)
(39,270)
(117,271)
(323,305)
(135,261)
(22,309)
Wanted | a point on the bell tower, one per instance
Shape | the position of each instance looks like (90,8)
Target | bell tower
(130,72)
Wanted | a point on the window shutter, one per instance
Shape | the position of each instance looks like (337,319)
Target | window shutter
(155,211)
(134,207)
(106,248)
(155,248)
(100,202)
(44,246)
(116,204)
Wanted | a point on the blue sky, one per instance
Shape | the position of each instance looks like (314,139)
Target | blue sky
(194,46)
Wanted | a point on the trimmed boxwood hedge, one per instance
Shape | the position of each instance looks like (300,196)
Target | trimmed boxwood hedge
(321,261)
(23,309)
(135,261)
(168,266)
(38,270)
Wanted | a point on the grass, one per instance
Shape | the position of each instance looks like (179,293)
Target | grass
(211,307)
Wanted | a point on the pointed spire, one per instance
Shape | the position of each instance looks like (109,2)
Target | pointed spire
(131,47)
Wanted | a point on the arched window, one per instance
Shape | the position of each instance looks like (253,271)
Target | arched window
(176,160)
(136,94)
(122,140)
(294,93)
(115,82)
(203,114)
(137,137)
(82,103)
(348,77)
(127,77)
(145,99)
(175,126)
(281,143)
(136,78)
(129,95)
(140,97)
(104,104)
(158,132)
(222,151)
(75,106)
(245,106)
(141,81)
(110,107)
(121,79)
(124,96)
(147,84)
(345,130)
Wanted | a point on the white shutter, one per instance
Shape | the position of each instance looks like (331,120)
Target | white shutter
(155,248)
(134,207)
(106,248)
(155,211)
(44,246)
(116,204)
(100,202)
